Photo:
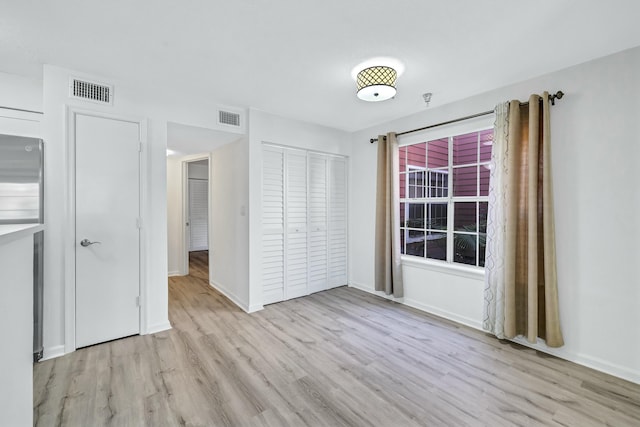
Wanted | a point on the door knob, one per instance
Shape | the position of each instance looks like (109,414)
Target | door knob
(86,242)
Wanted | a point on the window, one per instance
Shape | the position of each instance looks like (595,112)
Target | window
(444,188)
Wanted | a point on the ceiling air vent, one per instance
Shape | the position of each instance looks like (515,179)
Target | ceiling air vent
(228,118)
(91,91)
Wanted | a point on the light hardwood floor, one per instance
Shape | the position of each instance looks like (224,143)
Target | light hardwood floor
(335,358)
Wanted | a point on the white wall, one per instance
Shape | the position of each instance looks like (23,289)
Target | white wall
(175,241)
(229,225)
(265,127)
(17,92)
(20,92)
(596,146)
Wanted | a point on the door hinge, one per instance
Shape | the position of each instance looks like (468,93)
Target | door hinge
(140,147)
(139,223)
(138,301)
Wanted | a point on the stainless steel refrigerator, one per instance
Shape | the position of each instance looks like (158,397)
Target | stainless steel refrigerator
(22,202)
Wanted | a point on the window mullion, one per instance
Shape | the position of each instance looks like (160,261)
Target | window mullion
(406,204)
(478,165)
(424,227)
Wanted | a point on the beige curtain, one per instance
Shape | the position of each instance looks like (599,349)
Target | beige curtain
(521,295)
(388,267)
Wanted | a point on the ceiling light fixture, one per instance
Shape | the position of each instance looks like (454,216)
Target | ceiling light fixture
(376,83)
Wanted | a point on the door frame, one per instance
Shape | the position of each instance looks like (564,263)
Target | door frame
(184,262)
(69,228)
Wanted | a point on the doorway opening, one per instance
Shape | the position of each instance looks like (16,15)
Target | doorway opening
(192,171)
(196,214)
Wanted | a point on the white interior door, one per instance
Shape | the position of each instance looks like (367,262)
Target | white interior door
(273,263)
(296,269)
(198,215)
(337,222)
(107,215)
(318,216)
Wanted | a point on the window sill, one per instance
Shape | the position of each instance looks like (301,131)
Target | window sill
(470,272)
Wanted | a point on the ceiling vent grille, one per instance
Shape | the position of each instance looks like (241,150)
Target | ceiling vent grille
(91,91)
(228,118)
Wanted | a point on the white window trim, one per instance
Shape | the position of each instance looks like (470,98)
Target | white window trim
(413,169)
(448,266)
(463,270)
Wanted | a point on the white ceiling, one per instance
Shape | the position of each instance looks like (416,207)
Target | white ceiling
(294,58)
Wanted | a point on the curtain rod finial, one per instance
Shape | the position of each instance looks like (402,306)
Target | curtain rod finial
(372,140)
(558,95)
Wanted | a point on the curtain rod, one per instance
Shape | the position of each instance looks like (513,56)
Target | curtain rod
(20,109)
(558,95)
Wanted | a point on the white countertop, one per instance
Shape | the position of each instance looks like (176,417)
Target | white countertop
(11,232)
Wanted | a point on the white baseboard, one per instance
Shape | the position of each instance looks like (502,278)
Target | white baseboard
(422,307)
(580,359)
(255,307)
(59,350)
(444,313)
(53,352)
(376,293)
(159,327)
(234,299)
(584,360)
(362,287)
(174,273)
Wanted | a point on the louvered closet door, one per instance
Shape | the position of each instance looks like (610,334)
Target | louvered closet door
(273,225)
(337,221)
(318,217)
(198,215)
(296,274)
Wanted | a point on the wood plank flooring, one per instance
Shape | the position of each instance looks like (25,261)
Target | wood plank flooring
(336,358)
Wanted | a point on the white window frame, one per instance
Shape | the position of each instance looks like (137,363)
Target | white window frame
(460,128)
(412,169)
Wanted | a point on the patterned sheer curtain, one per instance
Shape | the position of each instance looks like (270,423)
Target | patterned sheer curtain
(521,295)
(388,266)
